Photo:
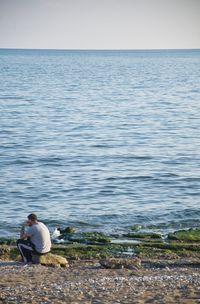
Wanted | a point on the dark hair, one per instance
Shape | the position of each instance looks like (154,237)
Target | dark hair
(32,217)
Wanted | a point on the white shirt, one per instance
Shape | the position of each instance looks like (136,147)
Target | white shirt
(40,237)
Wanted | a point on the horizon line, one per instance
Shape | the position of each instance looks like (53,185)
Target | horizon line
(99,49)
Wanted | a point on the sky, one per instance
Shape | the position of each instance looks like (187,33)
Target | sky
(100,24)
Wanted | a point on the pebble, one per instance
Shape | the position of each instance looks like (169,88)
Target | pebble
(94,285)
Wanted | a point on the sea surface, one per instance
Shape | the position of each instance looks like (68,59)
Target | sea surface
(100,140)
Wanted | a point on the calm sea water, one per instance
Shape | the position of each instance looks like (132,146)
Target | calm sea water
(100,139)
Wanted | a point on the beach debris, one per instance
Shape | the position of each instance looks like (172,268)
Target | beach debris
(55,234)
(59,241)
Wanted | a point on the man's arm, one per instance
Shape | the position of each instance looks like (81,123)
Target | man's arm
(23,234)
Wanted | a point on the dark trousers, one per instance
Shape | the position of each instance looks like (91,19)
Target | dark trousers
(26,248)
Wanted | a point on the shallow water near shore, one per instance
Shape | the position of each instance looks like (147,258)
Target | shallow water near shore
(100,140)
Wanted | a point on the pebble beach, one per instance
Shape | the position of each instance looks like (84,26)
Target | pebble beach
(87,282)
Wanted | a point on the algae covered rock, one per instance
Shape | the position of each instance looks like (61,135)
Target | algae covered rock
(143,235)
(6,241)
(119,263)
(4,252)
(50,260)
(69,234)
(89,238)
(191,235)
(136,227)
(68,230)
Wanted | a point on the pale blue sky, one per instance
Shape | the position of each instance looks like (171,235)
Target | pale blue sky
(100,24)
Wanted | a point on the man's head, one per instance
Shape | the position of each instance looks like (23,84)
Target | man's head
(32,219)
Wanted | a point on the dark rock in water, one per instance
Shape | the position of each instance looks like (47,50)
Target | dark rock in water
(50,259)
(64,233)
(119,263)
(68,230)
(136,227)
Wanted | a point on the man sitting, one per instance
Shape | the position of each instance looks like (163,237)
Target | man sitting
(34,239)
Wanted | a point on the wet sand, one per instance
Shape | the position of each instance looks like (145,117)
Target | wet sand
(86,282)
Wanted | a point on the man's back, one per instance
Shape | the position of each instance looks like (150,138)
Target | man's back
(40,237)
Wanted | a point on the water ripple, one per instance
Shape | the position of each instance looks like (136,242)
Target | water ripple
(100,139)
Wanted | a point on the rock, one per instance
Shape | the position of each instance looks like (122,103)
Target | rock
(136,227)
(191,235)
(50,259)
(88,238)
(4,252)
(117,263)
(5,241)
(69,230)
(144,235)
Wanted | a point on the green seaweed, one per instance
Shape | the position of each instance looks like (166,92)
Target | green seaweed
(167,250)
(80,251)
(7,241)
(143,235)
(191,235)
(96,245)
(154,248)
(146,249)
(4,252)
(8,252)
(88,238)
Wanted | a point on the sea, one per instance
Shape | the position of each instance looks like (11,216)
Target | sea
(100,140)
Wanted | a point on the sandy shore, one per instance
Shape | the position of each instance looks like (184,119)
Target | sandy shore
(86,282)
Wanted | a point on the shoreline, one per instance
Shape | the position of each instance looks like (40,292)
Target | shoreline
(147,269)
(85,281)
(85,245)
